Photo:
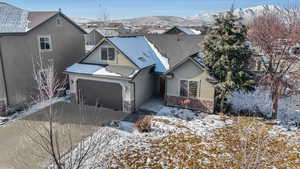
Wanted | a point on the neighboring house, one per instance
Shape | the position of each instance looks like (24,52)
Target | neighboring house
(180,30)
(92,38)
(95,35)
(122,73)
(24,35)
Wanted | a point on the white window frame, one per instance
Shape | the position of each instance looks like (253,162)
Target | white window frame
(39,43)
(188,88)
(107,60)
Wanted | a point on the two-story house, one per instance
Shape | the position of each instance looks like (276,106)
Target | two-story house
(25,35)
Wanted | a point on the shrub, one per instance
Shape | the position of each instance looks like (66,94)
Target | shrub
(144,125)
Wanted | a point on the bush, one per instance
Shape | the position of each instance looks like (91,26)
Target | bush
(144,125)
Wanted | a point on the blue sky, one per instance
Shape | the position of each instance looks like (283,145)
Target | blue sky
(118,9)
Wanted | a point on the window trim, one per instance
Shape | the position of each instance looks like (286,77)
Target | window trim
(39,43)
(188,88)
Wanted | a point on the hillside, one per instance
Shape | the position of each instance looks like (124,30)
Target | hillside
(201,19)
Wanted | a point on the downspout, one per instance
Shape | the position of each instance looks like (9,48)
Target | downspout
(3,74)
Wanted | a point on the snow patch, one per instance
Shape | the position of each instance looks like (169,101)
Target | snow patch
(260,101)
(90,69)
(33,109)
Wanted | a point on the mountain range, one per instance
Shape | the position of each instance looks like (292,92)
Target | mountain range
(204,18)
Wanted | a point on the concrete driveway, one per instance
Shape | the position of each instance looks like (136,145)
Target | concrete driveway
(18,151)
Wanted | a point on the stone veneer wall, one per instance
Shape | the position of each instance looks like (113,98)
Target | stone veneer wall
(195,104)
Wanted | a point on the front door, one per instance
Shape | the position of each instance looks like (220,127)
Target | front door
(162,85)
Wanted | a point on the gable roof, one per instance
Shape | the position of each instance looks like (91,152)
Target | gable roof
(176,47)
(197,59)
(138,50)
(14,20)
(36,18)
(186,30)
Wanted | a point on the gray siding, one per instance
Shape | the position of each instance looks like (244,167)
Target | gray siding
(93,38)
(189,71)
(2,84)
(18,53)
(144,86)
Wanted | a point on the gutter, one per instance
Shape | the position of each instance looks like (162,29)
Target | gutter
(3,74)
(108,77)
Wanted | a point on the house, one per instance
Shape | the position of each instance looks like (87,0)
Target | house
(95,35)
(92,38)
(122,73)
(180,30)
(24,35)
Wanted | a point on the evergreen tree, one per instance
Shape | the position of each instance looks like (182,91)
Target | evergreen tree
(227,54)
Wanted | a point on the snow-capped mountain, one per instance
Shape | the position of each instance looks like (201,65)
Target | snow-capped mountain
(247,14)
(160,20)
(202,19)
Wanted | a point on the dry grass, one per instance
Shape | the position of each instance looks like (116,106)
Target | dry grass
(144,124)
(245,144)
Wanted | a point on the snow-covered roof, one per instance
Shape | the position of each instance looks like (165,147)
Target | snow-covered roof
(189,31)
(198,57)
(12,19)
(16,20)
(97,70)
(141,52)
(89,47)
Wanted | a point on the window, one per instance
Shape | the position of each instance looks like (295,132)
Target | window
(107,54)
(111,53)
(104,54)
(193,88)
(189,88)
(184,88)
(45,43)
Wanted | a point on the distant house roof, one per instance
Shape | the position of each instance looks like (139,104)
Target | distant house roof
(108,32)
(176,47)
(14,20)
(141,52)
(36,18)
(185,30)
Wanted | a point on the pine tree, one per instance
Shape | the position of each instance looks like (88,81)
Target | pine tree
(227,54)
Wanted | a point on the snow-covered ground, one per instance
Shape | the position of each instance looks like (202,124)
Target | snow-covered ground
(34,108)
(111,143)
(114,140)
(260,101)
(156,106)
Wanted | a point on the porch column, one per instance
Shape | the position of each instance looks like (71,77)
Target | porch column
(128,98)
(73,89)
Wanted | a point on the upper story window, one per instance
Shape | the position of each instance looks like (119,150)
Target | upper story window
(108,54)
(189,88)
(45,43)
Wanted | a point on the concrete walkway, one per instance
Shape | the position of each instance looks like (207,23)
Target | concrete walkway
(18,151)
